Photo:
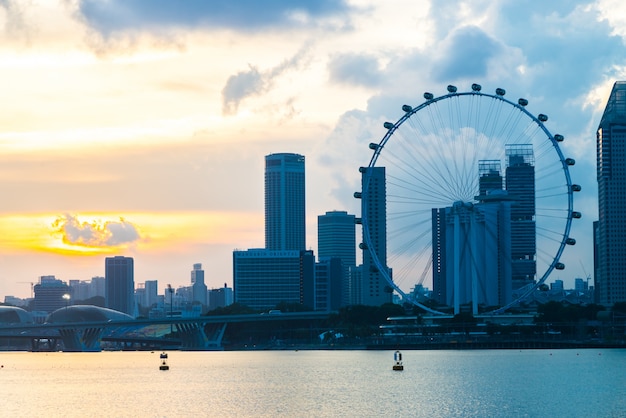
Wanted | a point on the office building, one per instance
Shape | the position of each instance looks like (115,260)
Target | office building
(262,278)
(220,297)
(120,284)
(198,288)
(329,280)
(374,288)
(472,252)
(285,223)
(151,295)
(610,281)
(336,238)
(520,185)
(51,294)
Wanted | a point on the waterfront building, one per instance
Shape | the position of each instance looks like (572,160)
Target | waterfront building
(285,222)
(263,278)
(374,289)
(51,294)
(610,280)
(336,238)
(120,284)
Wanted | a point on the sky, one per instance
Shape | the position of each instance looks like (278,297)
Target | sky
(139,127)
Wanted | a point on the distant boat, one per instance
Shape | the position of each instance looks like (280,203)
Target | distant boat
(164,365)
(163,355)
(397,361)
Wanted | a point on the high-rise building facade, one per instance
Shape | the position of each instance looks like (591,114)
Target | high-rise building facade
(336,238)
(610,280)
(285,222)
(375,290)
(262,278)
(120,284)
(472,253)
(520,185)
(198,287)
(51,294)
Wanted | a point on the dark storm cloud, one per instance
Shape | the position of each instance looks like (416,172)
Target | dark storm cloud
(120,15)
(466,54)
(355,69)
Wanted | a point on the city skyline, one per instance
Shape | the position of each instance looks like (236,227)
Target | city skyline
(142,134)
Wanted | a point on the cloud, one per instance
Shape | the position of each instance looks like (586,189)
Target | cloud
(96,233)
(355,69)
(253,82)
(466,53)
(107,16)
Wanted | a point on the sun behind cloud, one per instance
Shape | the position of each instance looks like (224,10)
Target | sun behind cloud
(108,233)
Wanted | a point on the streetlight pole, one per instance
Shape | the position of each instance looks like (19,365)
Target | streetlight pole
(67,297)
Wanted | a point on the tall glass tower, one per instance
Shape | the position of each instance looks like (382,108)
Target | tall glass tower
(610,280)
(336,238)
(119,284)
(285,224)
(520,185)
(374,287)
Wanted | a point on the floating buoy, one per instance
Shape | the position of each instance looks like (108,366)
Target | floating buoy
(397,361)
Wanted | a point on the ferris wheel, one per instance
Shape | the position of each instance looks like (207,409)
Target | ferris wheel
(477,205)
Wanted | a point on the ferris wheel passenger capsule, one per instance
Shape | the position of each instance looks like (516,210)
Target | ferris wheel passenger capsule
(558,138)
(576,188)
(522,102)
(542,117)
(500,92)
(407,108)
(570,161)
(374,146)
(476,87)
(570,241)
(388,125)
(559,266)
(577,215)
(358,195)
(451,88)
(428,96)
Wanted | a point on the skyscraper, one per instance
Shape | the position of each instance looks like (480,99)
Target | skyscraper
(198,287)
(520,185)
(285,226)
(119,284)
(374,287)
(610,280)
(336,238)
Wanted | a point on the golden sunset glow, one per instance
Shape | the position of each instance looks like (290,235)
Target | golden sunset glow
(157,231)
(139,128)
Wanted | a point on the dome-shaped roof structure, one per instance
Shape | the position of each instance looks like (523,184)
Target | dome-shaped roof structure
(86,313)
(14,315)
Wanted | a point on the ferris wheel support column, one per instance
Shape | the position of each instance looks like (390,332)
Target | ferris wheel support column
(457,261)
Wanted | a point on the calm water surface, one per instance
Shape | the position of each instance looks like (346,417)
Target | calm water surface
(490,383)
